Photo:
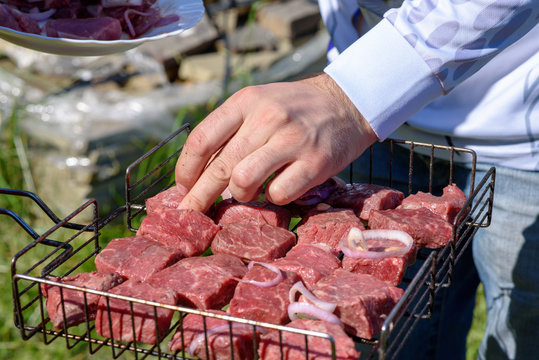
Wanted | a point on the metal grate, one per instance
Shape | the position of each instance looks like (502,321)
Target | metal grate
(153,173)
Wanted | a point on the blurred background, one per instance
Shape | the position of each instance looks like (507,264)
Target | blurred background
(70,126)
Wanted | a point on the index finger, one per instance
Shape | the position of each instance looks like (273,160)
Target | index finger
(205,141)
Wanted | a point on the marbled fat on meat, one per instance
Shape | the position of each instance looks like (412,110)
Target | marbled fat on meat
(293,344)
(327,227)
(188,231)
(362,300)
(62,301)
(217,338)
(257,242)
(145,329)
(230,211)
(135,257)
(206,282)
(363,198)
(265,304)
(428,229)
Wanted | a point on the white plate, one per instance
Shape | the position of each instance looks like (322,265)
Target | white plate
(189,11)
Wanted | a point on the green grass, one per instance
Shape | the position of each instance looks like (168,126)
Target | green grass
(14,175)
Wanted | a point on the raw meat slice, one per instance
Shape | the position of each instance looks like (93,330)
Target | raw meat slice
(217,338)
(189,231)
(265,304)
(428,229)
(447,206)
(388,269)
(310,262)
(135,257)
(327,227)
(101,28)
(257,242)
(363,198)
(230,211)
(167,199)
(16,20)
(293,344)
(145,329)
(362,300)
(190,279)
(62,301)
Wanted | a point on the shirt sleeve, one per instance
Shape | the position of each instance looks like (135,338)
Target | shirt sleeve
(422,50)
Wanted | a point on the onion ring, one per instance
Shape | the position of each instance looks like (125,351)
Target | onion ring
(321,304)
(199,338)
(312,311)
(270,283)
(348,249)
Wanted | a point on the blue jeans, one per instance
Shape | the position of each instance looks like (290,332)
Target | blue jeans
(506,255)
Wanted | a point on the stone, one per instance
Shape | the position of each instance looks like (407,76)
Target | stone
(289,19)
(249,38)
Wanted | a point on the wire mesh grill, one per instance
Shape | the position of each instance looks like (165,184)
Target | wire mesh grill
(153,173)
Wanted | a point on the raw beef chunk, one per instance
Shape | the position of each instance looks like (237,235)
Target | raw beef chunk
(327,227)
(260,242)
(71,302)
(217,336)
(16,20)
(363,198)
(203,282)
(447,206)
(135,257)
(188,231)
(265,304)
(168,199)
(361,300)
(230,211)
(310,262)
(293,344)
(145,330)
(388,269)
(101,28)
(425,227)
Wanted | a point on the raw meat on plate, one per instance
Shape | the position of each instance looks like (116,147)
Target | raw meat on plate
(196,333)
(135,257)
(72,303)
(120,326)
(257,242)
(293,344)
(188,231)
(202,282)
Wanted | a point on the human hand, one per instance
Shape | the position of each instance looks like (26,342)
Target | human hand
(303,132)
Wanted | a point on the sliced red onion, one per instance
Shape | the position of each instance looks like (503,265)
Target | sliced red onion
(320,192)
(128,21)
(350,250)
(197,340)
(273,282)
(312,311)
(40,16)
(324,305)
(166,20)
(117,3)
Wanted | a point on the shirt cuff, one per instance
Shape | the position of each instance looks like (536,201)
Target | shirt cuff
(385,78)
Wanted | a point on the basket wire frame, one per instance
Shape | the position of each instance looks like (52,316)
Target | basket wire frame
(415,305)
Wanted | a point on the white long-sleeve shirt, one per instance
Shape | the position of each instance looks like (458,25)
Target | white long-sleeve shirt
(458,72)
